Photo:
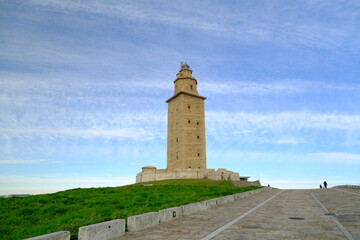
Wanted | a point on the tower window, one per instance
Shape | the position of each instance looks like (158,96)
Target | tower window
(198,137)
(191,87)
(198,154)
(188,106)
(177,140)
(197,123)
(189,121)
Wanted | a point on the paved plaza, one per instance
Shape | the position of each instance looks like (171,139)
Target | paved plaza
(332,213)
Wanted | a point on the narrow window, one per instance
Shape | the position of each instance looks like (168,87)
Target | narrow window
(189,166)
(198,154)
(177,140)
(191,87)
(189,121)
(198,137)
(197,123)
(188,106)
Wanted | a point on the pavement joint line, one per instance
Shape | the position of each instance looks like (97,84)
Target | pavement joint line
(346,191)
(341,227)
(219,230)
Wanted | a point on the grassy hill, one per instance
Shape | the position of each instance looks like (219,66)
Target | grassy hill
(23,217)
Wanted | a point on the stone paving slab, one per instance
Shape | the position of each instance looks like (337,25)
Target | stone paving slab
(352,190)
(345,206)
(291,215)
(271,220)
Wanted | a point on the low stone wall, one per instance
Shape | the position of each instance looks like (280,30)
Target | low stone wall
(116,228)
(246,183)
(146,220)
(169,214)
(105,230)
(63,235)
(142,221)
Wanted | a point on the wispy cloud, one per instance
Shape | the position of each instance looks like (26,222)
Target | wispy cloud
(35,185)
(28,161)
(18,179)
(276,87)
(243,25)
(291,120)
(283,156)
(279,127)
(136,134)
(337,157)
(291,141)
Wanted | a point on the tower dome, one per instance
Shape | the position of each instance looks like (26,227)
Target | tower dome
(184,65)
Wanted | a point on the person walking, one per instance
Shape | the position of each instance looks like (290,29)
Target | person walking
(325,184)
(320,186)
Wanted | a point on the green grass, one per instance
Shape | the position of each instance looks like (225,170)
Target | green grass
(23,217)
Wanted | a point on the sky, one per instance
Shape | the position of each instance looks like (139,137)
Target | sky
(83,86)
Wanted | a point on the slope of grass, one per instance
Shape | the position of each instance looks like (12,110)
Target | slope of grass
(23,217)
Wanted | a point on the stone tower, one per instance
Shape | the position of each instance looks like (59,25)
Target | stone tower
(186,145)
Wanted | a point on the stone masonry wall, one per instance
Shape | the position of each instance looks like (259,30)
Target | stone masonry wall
(152,174)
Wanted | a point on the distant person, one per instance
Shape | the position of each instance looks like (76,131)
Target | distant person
(268,185)
(320,186)
(325,184)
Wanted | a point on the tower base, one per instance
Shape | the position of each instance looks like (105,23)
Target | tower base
(150,173)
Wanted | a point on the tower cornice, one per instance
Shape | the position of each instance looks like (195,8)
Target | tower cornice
(183,78)
(186,93)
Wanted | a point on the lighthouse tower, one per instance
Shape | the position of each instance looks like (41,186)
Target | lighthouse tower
(186,145)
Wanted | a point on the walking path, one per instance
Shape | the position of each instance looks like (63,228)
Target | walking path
(273,214)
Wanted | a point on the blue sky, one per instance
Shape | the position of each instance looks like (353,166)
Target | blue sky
(83,86)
